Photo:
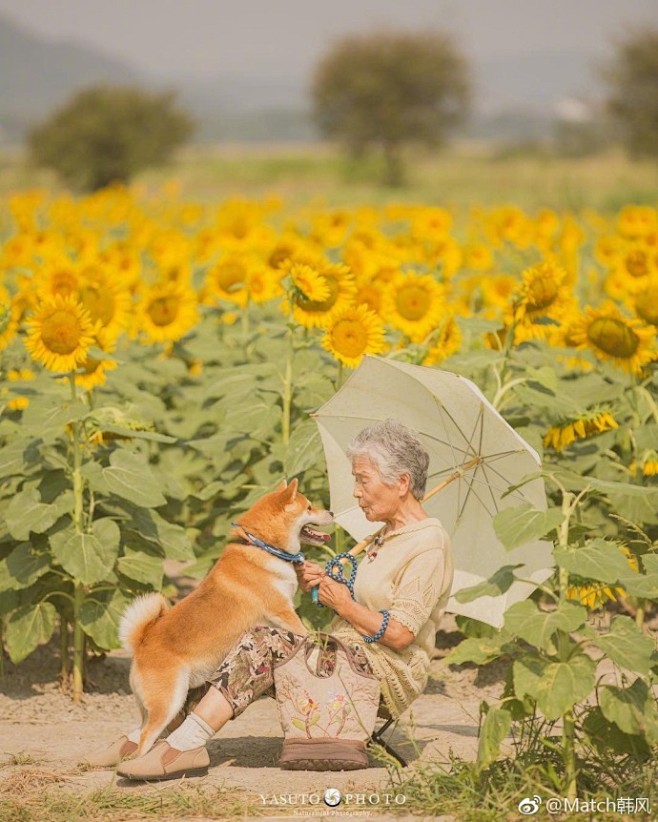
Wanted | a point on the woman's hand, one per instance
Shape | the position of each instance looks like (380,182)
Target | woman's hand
(309,575)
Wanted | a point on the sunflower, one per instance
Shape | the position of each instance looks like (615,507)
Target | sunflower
(413,303)
(648,464)
(585,425)
(107,303)
(60,332)
(227,279)
(263,284)
(447,343)
(341,290)
(543,292)
(627,343)
(307,283)
(168,311)
(594,595)
(353,333)
(646,303)
(92,372)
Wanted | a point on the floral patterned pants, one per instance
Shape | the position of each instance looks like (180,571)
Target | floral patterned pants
(248,672)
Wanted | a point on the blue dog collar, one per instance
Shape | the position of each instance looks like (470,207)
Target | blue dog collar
(271,549)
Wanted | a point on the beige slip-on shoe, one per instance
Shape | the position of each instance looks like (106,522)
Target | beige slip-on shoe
(110,756)
(164,762)
(123,748)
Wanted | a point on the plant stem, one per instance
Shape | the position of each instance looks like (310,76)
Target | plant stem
(79,592)
(64,670)
(287,389)
(569,754)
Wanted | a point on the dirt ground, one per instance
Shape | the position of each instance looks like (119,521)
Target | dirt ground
(41,728)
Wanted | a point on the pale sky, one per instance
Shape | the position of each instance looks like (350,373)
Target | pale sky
(285,37)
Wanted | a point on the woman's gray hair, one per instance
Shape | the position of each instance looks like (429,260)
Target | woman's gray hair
(395,450)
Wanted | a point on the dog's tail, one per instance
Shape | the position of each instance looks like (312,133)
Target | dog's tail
(138,618)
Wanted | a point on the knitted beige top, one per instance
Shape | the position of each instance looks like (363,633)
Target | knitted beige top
(411,576)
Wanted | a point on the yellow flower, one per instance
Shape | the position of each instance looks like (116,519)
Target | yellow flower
(648,464)
(263,284)
(543,292)
(107,303)
(341,290)
(353,333)
(168,311)
(636,221)
(447,343)
(585,425)
(646,303)
(413,303)
(19,375)
(627,343)
(227,279)
(59,333)
(307,282)
(596,594)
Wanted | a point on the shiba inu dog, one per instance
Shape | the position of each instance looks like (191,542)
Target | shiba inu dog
(180,647)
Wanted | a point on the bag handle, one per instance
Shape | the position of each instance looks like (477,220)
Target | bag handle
(311,642)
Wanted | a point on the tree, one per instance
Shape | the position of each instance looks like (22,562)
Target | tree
(391,89)
(106,134)
(632,78)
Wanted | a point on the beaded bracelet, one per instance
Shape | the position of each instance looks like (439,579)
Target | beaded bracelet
(380,633)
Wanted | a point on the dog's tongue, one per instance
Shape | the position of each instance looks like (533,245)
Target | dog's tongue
(313,534)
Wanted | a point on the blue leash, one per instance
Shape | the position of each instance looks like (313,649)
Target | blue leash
(338,576)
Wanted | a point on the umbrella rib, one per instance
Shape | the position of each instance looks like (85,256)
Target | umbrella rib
(459,431)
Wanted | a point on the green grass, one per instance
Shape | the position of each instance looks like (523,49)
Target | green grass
(459,177)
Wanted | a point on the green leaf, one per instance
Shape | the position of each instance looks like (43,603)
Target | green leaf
(130,476)
(304,448)
(650,563)
(631,709)
(598,559)
(644,586)
(526,620)
(496,585)
(478,650)
(171,539)
(88,558)
(28,627)
(298,723)
(606,736)
(141,567)
(626,645)
(607,487)
(44,416)
(555,686)
(22,567)
(11,460)
(99,617)
(26,513)
(495,728)
(516,526)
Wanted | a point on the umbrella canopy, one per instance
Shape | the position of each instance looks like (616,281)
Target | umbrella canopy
(468,441)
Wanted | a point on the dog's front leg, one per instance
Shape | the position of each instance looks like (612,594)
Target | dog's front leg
(287,619)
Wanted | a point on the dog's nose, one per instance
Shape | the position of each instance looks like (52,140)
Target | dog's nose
(331,513)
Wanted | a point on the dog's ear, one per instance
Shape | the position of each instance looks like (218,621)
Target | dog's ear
(291,490)
(282,486)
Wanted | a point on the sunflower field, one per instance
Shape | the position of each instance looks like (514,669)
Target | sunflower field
(160,359)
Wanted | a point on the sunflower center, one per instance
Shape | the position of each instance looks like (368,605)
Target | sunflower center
(61,332)
(412,302)
(646,305)
(349,338)
(613,337)
(163,310)
(541,294)
(230,277)
(321,305)
(64,283)
(99,305)
(637,264)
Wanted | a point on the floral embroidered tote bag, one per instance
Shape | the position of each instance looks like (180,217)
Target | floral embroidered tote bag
(327,706)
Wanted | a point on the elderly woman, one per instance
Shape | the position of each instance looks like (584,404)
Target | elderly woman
(400,591)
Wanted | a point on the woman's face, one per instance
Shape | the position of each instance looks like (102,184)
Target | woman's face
(379,502)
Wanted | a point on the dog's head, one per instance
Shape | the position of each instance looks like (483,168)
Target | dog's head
(284,518)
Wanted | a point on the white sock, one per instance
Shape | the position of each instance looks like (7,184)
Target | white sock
(133,736)
(193,733)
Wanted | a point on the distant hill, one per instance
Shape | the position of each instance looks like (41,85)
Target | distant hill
(37,75)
